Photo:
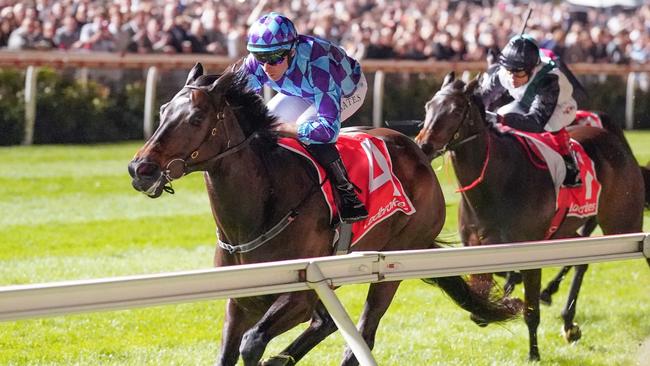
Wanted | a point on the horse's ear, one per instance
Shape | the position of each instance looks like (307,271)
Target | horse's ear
(471,86)
(196,71)
(449,78)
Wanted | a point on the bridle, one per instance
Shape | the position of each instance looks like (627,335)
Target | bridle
(192,162)
(456,141)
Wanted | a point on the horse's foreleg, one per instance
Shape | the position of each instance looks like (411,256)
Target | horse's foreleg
(287,311)
(380,295)
(546,296)
(571,330)
(235,324)
(532,284)
(321,326)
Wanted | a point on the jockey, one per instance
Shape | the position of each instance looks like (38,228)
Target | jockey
(318,86)
(542,96)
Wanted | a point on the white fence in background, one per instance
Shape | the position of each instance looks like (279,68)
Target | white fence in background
(319,274)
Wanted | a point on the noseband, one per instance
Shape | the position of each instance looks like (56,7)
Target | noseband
(170,173)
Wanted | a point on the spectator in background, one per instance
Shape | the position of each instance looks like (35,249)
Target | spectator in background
(196,37)
(381,44)
(67,34)
(25,36)
(442,49)
(153,40)
(236,41)
(6,27)
(616,48)
(46,39)
(96,36)
(174,32)
(215,35)
(135,29)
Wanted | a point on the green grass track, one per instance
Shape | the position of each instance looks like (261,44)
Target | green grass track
(69,212)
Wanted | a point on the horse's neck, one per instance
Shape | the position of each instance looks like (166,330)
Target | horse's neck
(239,188)
(250,193)
(469,158)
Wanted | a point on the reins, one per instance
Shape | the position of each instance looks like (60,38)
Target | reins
(454,143)
(267,235)
(221,116)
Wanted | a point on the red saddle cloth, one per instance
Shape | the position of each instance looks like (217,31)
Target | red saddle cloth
(579,201)
(586,118)
(370,168)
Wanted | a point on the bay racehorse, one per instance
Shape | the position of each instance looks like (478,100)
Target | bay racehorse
(508,199)
(216,125)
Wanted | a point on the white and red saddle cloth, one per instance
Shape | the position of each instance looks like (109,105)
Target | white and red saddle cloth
(586,118)
(542,149)
(370,168)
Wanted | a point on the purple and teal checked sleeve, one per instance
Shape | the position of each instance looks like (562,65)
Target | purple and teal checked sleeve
(321,73)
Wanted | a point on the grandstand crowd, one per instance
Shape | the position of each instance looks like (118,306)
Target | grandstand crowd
(396,29)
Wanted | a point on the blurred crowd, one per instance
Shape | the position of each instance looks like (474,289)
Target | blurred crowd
(395,29)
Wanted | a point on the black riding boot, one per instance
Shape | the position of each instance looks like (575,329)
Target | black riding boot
(572,177)
(350,208)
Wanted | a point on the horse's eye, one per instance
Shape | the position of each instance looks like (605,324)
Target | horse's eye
(196,119)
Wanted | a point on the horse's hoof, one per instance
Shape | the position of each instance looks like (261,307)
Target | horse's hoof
(573,334)
(478,320)
(279,360)
(545,298)
(534,357)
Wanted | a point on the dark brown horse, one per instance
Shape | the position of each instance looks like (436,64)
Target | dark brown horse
(214,124)
(514,201)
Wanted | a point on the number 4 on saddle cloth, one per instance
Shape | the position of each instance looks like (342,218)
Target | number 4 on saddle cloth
(542,149)
(370,168)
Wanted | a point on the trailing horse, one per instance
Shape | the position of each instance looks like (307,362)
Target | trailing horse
(267,206)
(507,198)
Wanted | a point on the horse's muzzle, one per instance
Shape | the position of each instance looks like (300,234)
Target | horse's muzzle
(147,177)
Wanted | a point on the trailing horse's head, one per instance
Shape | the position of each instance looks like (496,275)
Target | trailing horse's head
(197,127)
(449,118)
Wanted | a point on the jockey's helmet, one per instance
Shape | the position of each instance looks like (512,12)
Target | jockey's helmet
(520,54)
(272,32)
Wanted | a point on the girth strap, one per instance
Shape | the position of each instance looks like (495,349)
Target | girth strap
(260,240)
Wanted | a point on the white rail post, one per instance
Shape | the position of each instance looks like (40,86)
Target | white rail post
(320,284)
(629,100)
(31,77)
(377,99)
(150,100)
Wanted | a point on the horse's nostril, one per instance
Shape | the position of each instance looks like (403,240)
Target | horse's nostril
(146,170)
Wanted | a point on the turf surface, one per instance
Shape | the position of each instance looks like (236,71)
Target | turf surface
(69,212)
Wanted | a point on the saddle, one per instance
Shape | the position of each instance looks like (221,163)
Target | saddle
(542,151)
(369,166)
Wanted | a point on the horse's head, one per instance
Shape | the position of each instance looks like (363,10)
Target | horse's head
(197,127)
(450,117)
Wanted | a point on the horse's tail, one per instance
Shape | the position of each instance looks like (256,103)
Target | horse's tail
(484,310)
(615,129)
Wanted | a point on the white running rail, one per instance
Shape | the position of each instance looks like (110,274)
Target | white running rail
(320,274)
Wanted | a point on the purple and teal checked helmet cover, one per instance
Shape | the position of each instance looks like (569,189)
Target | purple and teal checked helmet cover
(271,32)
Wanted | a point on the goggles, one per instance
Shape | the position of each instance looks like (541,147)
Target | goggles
(272,58)
(518,73)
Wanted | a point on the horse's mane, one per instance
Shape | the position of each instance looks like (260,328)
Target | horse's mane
(246,104)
